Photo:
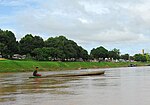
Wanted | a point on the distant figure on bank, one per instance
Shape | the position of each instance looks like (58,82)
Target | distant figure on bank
(35,72)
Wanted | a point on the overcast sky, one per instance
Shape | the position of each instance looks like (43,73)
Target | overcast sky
(122,24)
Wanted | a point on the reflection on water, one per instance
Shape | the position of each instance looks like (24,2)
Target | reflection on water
(119,86)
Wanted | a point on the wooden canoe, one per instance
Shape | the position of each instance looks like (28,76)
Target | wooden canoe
(93,73)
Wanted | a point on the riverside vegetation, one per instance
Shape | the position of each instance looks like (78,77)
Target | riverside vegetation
(43,53)
(26,66)
(57,48)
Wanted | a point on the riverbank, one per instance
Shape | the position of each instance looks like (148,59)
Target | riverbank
(25,66)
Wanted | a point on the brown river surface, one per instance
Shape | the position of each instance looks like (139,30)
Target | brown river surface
(119,86)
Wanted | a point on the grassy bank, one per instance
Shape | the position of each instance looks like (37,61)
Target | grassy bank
(23,66)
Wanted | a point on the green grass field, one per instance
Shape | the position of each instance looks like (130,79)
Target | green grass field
(24,66)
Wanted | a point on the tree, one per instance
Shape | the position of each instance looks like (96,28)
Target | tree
(147,57)
(115,54)
(99,52)
(41,53)
(47,53)
(125,57)
(29,43)
(8,43)
(3,49)
(117,51)
(82,53)
(112,55)
(67,48)
(140,57)
(38,42)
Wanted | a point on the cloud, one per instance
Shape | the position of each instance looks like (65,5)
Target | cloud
(92,21)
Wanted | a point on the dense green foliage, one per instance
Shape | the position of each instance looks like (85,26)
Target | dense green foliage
(115,54)
(29,43)
(57,49)
(8,43)
(140,57)
(65,49)
(99,52)
(125,56)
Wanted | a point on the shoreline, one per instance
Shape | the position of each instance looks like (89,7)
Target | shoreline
(29,66)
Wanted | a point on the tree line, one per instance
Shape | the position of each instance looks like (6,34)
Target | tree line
(56,48)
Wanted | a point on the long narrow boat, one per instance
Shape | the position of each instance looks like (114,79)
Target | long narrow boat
(72,75)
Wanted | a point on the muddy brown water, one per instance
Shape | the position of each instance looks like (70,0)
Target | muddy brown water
(119,86)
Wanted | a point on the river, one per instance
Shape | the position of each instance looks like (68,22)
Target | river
(119,86)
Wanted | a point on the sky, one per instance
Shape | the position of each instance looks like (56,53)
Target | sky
(121,24)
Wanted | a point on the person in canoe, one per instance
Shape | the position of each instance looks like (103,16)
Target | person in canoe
(35,72)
